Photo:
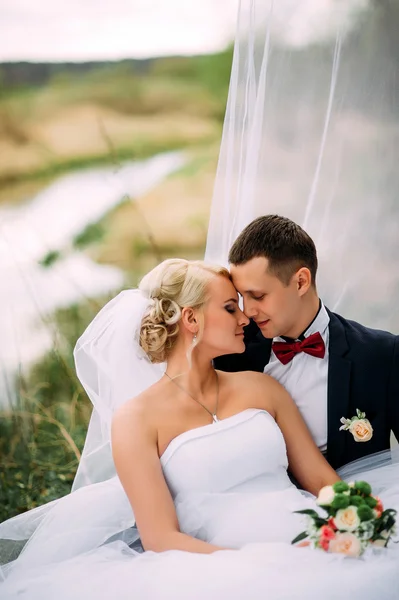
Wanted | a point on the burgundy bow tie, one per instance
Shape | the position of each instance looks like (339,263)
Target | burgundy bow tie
(313,345)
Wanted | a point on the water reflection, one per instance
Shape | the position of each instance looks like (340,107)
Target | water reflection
(48,222)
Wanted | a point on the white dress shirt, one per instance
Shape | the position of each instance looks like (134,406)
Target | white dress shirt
(305,379)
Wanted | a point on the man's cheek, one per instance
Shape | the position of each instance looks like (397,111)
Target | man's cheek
(265,306)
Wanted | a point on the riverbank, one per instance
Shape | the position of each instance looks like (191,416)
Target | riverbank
(170,220)
(42,438)
(102,114)
(72,124)
(90,136)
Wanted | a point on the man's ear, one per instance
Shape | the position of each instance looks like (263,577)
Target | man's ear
(189,320)
(303,280)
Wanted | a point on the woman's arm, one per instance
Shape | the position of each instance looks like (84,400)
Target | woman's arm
(306,462)
(135,452)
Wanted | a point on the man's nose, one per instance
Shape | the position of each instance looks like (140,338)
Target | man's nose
(244,320)
(250,309)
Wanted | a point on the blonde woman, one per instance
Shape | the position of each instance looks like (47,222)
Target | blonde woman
(201,461)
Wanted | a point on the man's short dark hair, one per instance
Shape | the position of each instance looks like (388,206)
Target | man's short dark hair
(285,244)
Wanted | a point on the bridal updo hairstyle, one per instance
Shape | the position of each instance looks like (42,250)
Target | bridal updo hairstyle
(172,285)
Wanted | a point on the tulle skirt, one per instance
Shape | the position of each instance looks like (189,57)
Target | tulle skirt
(81,549)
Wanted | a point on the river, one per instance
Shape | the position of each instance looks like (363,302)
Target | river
(48,222)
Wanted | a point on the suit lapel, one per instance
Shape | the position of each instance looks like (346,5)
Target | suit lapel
(258,348)
(339,371)
(260,352)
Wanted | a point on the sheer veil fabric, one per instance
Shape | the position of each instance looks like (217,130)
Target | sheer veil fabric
(112,368)
(311,132)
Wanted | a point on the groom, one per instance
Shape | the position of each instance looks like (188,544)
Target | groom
(329,365)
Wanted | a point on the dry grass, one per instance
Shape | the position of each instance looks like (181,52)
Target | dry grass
(81,132)
(77,131)
(174,215)
(22,191)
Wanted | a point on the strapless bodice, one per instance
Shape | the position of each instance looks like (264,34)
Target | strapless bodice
(229,481)
(245,452)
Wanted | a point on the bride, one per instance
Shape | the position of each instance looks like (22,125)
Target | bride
(201,462)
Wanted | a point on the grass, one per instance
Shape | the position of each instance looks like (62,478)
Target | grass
(80,120)
(74,122)
(138,149)
(170,220)
(43,453)
(41,439)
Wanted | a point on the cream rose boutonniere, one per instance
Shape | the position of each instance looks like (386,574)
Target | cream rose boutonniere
(359,426)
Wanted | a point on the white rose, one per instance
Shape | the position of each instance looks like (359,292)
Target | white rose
(345,543)
(361,430)
(347,519)
(326,496)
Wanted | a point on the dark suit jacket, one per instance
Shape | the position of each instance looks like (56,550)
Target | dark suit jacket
(363,373)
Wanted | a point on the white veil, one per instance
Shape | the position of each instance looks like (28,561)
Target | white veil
(112,367)
(311,132)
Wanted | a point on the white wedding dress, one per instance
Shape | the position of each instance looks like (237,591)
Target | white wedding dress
(230,486)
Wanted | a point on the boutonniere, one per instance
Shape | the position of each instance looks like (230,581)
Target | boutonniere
(359,426)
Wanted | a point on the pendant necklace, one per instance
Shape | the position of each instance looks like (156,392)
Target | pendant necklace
(213,414)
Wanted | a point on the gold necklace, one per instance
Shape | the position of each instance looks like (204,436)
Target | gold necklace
(213,414)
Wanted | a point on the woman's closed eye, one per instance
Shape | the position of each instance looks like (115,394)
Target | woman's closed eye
(231,308)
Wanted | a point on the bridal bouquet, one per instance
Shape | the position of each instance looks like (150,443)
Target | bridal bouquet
(355,519)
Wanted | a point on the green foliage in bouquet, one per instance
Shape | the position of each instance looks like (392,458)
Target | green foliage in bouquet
(355,520)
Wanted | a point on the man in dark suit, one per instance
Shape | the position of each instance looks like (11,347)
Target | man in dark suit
(332,367)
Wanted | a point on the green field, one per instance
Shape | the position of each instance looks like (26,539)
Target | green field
(102,115)
(109,113)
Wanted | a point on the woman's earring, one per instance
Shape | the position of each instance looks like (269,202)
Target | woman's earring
(194,339)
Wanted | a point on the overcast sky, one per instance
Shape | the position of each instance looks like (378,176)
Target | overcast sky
(112,29)
(51,30)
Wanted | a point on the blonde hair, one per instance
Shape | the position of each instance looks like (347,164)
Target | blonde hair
(174,284)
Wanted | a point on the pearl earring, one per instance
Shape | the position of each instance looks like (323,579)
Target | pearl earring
(194,339)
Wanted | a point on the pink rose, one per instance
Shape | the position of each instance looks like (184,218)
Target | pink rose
(331,523)
(327,533)
(346,543)
(378,510)
(324,543)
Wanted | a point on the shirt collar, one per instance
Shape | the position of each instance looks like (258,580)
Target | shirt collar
(319,324)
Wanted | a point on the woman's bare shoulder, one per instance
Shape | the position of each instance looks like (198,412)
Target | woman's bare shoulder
(138,413)
(252,390)
(248,378)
